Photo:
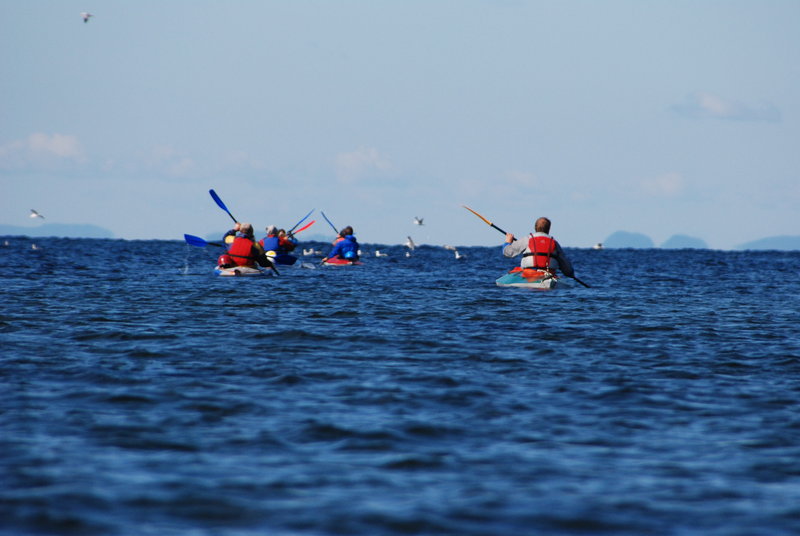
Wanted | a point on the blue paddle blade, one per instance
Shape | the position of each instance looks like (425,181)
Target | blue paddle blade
(217,200)
(195,240)
(199,242)
(221,205)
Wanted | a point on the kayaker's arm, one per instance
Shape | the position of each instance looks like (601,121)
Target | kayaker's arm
(563,262)
(514,248)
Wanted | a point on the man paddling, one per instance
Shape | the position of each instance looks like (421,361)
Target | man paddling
(245,251)
(540,251)
(346,246)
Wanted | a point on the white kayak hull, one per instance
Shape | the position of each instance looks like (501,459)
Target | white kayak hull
(240,271)
(533,279)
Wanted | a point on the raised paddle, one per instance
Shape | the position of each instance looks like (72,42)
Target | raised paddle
(306,226)
(502,231)
(335,230)
(484,219)
(301,221)
(221,205)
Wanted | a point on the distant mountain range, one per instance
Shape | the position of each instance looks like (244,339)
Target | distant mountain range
(625,239)
(619,239)
(782,243)
(61,230)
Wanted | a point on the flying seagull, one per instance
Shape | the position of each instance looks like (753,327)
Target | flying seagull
(86,16)
(418,221)
(35,214)
(410,243)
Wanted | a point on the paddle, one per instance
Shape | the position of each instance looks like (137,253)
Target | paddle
(335,230)
(298,223)
(199,242)
(502,231)
(484,219)
(306,226)
(221,205)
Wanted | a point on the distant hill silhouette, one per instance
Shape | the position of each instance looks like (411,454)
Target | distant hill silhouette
(780,243)
(684,242)
(624,239)
(63,230)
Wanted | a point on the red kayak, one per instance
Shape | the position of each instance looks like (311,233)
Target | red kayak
(340,262)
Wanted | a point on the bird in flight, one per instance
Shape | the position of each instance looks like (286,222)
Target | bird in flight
(35,214)
(418,221)
(86,16)
(410,243)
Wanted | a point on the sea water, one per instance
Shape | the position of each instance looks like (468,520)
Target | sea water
(143,395)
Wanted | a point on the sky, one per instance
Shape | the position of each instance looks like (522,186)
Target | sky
(654,117)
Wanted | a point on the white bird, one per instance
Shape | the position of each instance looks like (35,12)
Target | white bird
(410,243)
(598,246)
(379,254)
(311,251)
(85,16)
(418,221)
(451,248)
(408,253)
(459,256)
(35,214)
(34,247)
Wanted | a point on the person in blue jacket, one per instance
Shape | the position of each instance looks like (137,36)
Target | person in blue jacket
(271,242)
(346,248)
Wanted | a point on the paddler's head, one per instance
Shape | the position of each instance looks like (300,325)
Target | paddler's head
(542,225)
(246,229)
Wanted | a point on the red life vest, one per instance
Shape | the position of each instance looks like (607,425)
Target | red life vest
(542,248)
(242,251)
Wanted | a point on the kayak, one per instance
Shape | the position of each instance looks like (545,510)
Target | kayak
(530,278)
(283,259)
(340,262)
(238,271)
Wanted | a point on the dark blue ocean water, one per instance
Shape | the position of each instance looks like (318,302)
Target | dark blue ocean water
(142,395)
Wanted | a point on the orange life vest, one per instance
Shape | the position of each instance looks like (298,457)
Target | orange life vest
(541,249)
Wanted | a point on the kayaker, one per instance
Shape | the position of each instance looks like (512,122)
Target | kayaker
(271,242)
(230,235)
(346,247)
(286,243)
(245,251)
(540,251)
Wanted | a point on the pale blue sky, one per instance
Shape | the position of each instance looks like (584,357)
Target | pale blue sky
(659,117)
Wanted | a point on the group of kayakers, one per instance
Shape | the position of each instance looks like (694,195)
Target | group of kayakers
(539,252)
(244,250)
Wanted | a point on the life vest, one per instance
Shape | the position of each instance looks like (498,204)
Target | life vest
(541,249)
(242,251)
(287,244)
(348,248)
(271,243)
